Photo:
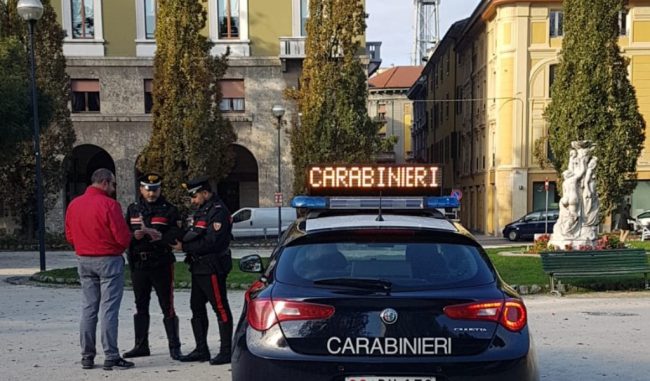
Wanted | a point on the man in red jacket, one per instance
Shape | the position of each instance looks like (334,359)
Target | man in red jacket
(95,226)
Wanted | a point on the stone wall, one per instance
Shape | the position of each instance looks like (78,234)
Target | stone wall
(122,128)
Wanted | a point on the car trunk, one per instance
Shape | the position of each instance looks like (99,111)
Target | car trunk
(357,328)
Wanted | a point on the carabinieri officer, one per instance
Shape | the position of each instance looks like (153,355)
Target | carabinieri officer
(155,225)
(206,244)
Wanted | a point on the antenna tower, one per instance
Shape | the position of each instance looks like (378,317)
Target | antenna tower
(427,29)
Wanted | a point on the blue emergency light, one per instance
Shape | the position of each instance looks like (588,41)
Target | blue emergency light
(312,202)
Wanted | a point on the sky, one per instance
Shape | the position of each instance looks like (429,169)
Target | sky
(393,23)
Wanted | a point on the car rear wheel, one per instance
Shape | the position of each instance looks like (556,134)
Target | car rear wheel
(513,235)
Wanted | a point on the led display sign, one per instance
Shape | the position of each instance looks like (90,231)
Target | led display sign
(369,179)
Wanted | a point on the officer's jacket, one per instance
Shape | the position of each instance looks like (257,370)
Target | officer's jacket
(162,216)
(207,240)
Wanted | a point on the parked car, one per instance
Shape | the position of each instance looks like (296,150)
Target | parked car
(532,223)
(260,222)
(355,295)
(642,220)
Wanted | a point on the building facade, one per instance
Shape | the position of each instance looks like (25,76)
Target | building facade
(505,57)
(109,49)
(389,105)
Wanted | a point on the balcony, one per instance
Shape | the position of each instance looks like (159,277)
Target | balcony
(292,47)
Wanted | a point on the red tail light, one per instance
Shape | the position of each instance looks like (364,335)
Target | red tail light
(510,313)
(264,313)
(256,286)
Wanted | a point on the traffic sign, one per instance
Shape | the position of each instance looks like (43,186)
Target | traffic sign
(457,194)
(546,184)
(278,198)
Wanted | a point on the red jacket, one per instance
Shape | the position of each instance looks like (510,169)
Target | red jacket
(94,224)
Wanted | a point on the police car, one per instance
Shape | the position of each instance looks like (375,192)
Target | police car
(380,289)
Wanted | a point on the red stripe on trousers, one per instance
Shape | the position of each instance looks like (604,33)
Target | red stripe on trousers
(172,313)
(217,296)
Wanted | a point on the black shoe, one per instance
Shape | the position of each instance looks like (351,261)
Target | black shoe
(196,355)
(87,362)
(140,350)
(175,353)
(221,358)
(118,362)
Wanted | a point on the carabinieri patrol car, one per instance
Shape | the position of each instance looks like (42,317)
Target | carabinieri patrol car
(380,289)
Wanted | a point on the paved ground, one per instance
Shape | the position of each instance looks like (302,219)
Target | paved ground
(600,336)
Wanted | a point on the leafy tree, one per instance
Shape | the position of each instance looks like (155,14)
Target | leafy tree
(190,136)
(593,99)
(57,133)
(335,126)
(15,106)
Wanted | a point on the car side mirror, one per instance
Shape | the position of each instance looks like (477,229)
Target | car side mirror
(251,264)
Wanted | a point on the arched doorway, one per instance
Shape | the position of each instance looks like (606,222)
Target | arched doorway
(80,165)
(241,187)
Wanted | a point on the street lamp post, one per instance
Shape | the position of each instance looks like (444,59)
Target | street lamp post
(31,11)
(278,112)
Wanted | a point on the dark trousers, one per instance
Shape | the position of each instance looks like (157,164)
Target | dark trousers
(161,279)
(210,288)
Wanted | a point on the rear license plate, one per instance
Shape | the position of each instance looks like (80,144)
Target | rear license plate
(390,378)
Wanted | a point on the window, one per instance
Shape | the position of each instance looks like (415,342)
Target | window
(551,77)
(381,111)
(243,215)
(447,106)
(415,265)
(459,102)
(539,199)
(83,19)
(557,24)
(85,95)
(150,7)
(304,15)
(148,96)
(622,22)
(232,92)
(228,13)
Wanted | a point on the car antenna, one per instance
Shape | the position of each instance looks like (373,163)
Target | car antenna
(379,217)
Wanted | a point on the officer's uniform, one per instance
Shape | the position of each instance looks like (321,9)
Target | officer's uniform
(206,244)
(152,265)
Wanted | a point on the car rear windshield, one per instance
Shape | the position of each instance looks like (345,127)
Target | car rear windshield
(407,266)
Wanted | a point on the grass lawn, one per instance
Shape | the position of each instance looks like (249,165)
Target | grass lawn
(514,270)
(236,278)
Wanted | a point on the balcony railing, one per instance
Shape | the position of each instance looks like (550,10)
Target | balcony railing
(292,47)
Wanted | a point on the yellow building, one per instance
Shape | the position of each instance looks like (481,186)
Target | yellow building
(109,48)
(505,61)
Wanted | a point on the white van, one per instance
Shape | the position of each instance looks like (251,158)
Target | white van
(260,222)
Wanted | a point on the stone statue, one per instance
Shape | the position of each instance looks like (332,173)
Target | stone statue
(577,224)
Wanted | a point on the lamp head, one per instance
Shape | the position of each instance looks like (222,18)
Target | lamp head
(278,111)
(30,10)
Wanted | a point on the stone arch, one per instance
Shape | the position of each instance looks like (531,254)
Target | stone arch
(539,72)
(81,164)
(241,187)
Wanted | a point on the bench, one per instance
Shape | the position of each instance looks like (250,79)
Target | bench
(572,264)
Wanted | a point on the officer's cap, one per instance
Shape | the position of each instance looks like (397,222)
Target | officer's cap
(150,181)
(197,184)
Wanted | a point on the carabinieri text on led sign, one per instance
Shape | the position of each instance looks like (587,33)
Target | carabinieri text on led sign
(374,177)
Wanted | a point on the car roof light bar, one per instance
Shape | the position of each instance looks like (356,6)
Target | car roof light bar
(311,202)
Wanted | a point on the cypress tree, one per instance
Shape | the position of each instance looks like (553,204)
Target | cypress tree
(593,99)
(190,137)
(57,133)
(335,126)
